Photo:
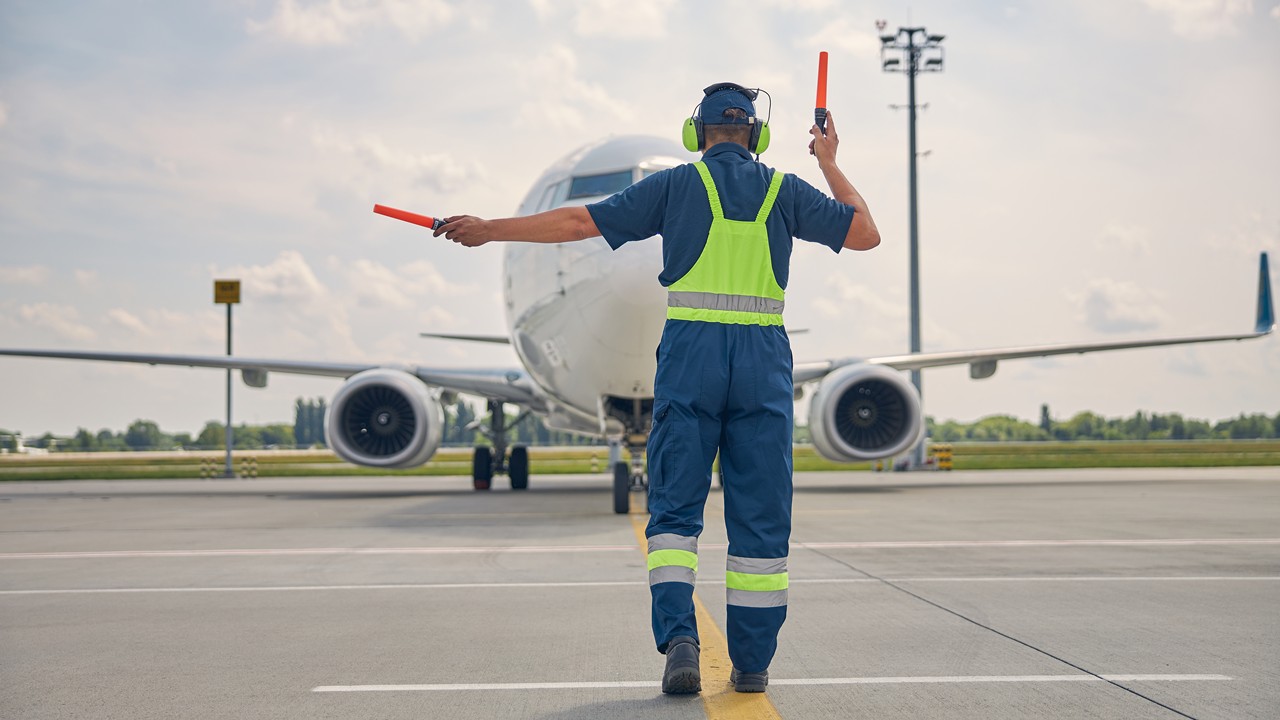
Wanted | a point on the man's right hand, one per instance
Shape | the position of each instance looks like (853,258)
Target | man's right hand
(823,146)
(465,230)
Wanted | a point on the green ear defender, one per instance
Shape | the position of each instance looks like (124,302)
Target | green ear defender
(692,134)
(760,138)
(692,137)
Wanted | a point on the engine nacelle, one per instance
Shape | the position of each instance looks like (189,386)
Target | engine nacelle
(384,418)
(864,412)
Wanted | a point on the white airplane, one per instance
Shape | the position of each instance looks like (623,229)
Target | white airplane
(584,321)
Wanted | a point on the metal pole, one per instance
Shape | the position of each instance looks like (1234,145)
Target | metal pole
(913,59)
(229,472)
(905,40)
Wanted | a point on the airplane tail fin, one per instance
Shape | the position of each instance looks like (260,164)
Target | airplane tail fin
(1266,308)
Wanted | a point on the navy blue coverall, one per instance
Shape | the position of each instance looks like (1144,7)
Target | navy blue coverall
(722,385)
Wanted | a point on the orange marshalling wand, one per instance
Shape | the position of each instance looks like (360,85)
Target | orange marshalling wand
(424,220)
(820,104)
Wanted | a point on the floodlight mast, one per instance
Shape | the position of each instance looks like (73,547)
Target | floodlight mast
(915,45)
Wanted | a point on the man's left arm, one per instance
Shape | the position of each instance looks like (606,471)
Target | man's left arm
(565,224)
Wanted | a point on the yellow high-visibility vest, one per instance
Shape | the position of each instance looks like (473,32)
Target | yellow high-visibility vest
(732,282)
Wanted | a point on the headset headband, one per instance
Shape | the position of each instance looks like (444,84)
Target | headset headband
(718,87)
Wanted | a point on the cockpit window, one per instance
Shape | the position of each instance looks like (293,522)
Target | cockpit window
(599,185)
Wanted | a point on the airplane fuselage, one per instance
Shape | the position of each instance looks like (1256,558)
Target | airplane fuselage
(585,319)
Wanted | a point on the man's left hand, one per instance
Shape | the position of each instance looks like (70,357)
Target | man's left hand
(465,230)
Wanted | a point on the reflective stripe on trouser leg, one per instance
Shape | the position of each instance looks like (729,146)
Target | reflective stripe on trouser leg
(673,558)
(673,569)
(756,582)
(757,608)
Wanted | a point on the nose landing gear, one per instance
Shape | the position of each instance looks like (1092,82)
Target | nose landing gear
(627,478)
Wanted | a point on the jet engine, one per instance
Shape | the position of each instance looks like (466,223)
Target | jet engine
(384,418)
(864,412)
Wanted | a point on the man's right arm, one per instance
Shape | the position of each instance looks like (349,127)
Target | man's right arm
(862,234)
(565,224)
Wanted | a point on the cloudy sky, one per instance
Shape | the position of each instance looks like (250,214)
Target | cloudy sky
(1097,170)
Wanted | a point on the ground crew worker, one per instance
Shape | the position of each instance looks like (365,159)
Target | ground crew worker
(724,381)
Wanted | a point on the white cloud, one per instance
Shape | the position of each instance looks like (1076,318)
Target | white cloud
(417,18)
(622,18)
(1112,306)
(1275,12)
(1245,234)
(852,35)
(333,22)
(86,278)
(325,24)
(4,115)
(287,279)
(438,171)
(1202,19)
(425,275)
(611,18)
(375,285)
(1133,238)
(564,100)
(128,320)
(436,316)
(1186,361)
(23,275)
(847,299)
(63,320)
(306,317)
(802,5)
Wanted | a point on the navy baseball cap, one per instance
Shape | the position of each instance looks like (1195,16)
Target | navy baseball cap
(721,97)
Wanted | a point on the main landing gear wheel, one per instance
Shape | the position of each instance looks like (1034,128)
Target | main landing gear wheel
(490,461)
(518,468)
(621,488)
(482,468)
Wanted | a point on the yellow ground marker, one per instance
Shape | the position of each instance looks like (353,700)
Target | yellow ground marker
(719,699)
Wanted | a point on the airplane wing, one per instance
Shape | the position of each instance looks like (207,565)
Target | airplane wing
(507,385)
(982,363)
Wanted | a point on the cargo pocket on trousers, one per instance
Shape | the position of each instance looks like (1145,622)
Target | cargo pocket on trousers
(663,449)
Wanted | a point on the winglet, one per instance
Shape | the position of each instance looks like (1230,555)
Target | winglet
(1266,309)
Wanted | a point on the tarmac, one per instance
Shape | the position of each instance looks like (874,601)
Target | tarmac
(1011,594)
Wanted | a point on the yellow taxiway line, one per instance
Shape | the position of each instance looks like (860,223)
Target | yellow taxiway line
(719,699)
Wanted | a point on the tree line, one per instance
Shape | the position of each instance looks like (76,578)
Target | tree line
(464,426)
(307,431)
(1091,426)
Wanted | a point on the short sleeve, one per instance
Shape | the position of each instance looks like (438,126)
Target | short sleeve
(633,214)
(816,217)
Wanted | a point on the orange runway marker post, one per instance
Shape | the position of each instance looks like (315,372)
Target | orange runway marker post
(820,104)
(425,221)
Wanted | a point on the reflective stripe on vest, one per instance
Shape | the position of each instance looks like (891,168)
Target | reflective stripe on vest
(732,282)
(673,558)
(712,301)
(756,582)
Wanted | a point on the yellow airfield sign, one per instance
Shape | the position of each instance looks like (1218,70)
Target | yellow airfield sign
(226,291)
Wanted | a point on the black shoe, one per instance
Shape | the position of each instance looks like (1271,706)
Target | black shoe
(746,682)
(682,676)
